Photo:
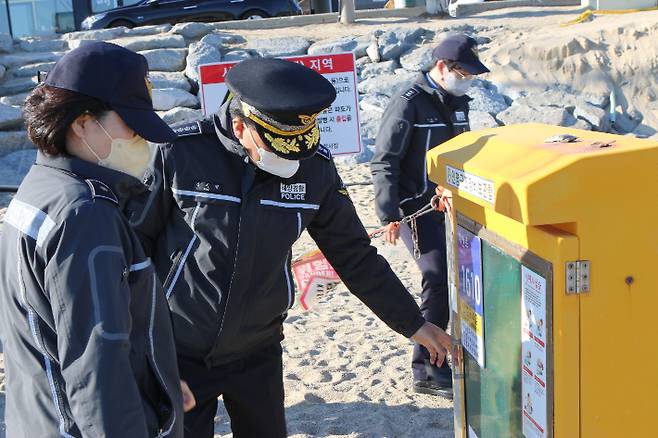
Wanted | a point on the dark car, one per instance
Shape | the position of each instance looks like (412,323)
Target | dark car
(173,11)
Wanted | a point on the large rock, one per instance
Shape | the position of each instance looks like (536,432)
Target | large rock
(370,121)
(32,69)
(238,55)
(373,51)
(42,45)
(278,47)
(161,79)
(594,115)
(481,120)
(139,43)
(378,69)
(387,84)
(395,42)
(220,39)
(168,98)
(165,59)
(148,30)
(19,59)
(374,103)
(15,100)
(357,46)
(3,70)
(419,59)
(15,86)
(6,43)
(486,100)
(552,97)
(200,53)
(192,30)
(11,141)
(181,115)
(551,115)
(625,123)
(10,117)
(97,35)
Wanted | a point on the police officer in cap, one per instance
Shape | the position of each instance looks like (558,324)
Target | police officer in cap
(88,342)
(432,111)
(236,191)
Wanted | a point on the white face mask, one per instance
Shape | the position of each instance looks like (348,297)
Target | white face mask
(129,156)
(272,163)
(455,85)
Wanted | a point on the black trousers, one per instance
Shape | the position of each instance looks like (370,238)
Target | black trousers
(252,390)
(434,294)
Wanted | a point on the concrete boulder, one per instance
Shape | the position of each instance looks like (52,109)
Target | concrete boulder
(181,115)
(357,46)
(374,102)
(16,86)
(11,117)
(486,100)
(481,120)
(169,98)
(20,59)
(95,35)
(192,30)
(395,42)
(387,84)
(238,55)
(32,69)
(279,47)
(42,45)
(378,69)
(518,113)
(11,141)
(221,39)
(14,100)
(161,79)
(419,59)
(165,59)
(151,42)
(148,30)
(198,54)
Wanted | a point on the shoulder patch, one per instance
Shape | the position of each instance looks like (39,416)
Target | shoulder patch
(101,190)
(187,129)
(324,152)
(410,93)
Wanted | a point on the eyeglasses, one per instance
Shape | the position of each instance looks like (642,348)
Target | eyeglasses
(453,66)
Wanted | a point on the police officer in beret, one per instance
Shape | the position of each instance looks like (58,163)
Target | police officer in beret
(236,190)
(88,341)
(432,111)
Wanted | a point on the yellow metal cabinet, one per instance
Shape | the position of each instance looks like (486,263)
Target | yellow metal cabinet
(579,221)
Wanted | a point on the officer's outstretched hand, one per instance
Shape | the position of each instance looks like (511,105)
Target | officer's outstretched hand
(437,342)
(392,232)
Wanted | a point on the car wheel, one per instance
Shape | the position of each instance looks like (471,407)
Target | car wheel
(254,15)
(120,23)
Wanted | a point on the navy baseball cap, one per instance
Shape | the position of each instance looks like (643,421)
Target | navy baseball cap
(116,76)
(283,100)
(461,49)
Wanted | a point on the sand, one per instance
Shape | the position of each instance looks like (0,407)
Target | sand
(346,374)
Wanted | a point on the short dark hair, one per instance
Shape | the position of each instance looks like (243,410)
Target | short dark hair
(235,111)
(50,111)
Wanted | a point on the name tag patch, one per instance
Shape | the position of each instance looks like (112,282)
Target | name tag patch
(293,192)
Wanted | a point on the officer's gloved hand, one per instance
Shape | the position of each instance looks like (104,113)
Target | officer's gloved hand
(437,342)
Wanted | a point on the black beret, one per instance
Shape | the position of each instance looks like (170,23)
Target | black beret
(283,99)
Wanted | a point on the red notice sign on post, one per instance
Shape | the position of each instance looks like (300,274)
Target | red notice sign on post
(339,124)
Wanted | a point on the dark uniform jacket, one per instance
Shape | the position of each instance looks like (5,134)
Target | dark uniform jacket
(223,231)
(88,343)
(415,121)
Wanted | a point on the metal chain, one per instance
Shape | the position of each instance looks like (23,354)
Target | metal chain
(411,219)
